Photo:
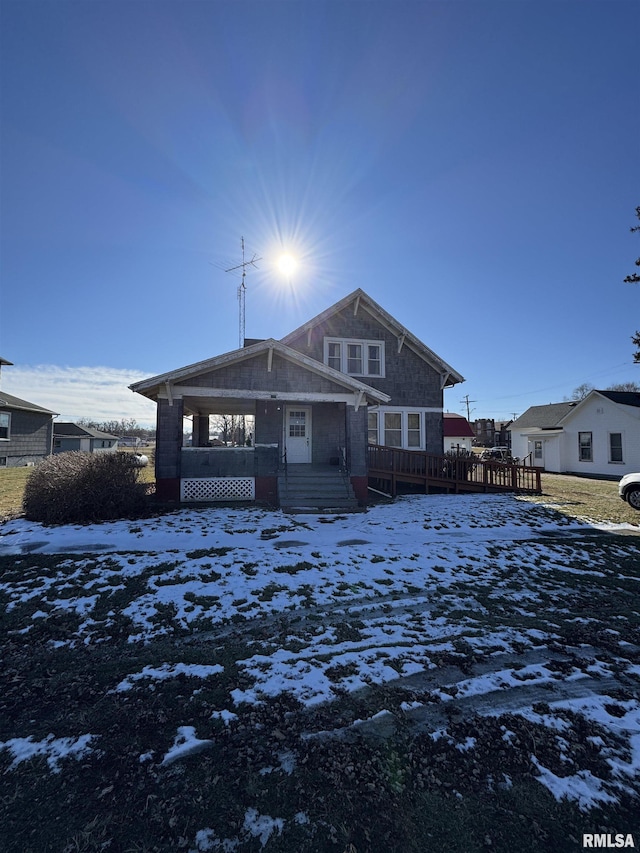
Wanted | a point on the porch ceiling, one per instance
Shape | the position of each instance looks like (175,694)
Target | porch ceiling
(218,406)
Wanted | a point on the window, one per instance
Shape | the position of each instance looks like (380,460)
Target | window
(5,424)
(354,358)
(393,429)
(403,427)
(615,447)
(413,429)
(373,427)
(297,424)
(374,360)
(585,448)
(334,355)
(3,461)
(357,358)
(57,442)
(537,450)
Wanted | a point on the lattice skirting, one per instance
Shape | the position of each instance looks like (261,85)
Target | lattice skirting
(218,489)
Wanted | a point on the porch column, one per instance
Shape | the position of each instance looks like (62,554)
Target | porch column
(356,435)
(200,430)
(168,448)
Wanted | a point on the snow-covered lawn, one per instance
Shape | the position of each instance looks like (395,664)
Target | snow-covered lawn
(493,604)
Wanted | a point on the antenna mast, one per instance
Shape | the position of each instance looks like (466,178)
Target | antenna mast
(242,290)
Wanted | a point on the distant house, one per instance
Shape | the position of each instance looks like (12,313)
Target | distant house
(69,436)
(26,430)
(457,433)
(350,377)
(599,435)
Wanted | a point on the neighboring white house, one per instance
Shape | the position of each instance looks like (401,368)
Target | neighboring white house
(599,435)
(457,433)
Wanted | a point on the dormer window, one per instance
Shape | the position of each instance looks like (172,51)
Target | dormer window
(355,357)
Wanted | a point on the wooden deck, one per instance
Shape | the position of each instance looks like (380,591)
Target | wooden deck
(389,466)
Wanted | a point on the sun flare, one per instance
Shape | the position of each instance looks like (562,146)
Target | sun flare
(287,264)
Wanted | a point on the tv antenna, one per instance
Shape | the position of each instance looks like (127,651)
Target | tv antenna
(242,289)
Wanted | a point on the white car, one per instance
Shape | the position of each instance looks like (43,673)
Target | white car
(629,490)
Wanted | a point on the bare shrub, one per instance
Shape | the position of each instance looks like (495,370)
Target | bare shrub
(84,487)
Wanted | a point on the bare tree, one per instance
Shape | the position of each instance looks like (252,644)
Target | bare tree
(625,386)
(634,278)
(582,391)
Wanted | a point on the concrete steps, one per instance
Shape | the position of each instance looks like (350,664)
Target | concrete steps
(304,488)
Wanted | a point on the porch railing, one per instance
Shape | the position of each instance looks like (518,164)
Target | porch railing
(452,473)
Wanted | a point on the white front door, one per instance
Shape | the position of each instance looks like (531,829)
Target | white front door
(537,452)
(297,429)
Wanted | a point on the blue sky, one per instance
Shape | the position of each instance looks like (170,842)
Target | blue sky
(472,166)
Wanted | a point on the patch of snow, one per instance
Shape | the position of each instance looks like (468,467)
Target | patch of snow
(54,749)
(185,743)
(169,670)
(261,826)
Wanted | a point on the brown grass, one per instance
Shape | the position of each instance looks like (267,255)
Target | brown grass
(13,481)
(583,497)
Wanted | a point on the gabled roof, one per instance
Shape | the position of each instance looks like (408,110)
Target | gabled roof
(8,401)
(552,415)
(365,301)
(456,426)
(75,430)
(149,387)
(544,417)
(623,398)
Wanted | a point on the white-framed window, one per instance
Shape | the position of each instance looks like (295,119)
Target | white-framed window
(615,447)
(373,428)
(392,429)
(355,357)
(5,426)
(414,431)
(397,427)
(585,446)
(334,355)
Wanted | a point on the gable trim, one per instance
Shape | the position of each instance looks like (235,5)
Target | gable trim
(152,387)
(363,300)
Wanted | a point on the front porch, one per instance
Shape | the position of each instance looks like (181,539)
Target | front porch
(302,412)
(293,452)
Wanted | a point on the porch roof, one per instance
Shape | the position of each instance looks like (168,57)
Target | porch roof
(200,399)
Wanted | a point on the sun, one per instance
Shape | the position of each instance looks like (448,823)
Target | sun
(287,264)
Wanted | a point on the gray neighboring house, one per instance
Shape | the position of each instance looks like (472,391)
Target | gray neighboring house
(69,436)
(349,377)
(26,430)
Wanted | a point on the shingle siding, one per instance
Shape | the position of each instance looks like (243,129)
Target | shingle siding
(252,375)
(30,437)
(168,439)
(408,379)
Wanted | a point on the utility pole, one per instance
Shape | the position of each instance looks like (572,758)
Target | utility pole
(467,401)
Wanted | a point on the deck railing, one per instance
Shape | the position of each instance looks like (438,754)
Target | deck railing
(450,472)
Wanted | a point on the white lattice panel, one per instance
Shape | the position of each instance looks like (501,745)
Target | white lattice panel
(218,489)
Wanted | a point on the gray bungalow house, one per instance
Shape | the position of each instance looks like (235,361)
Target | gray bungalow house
(349,377)
(26,430)
(69,436)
